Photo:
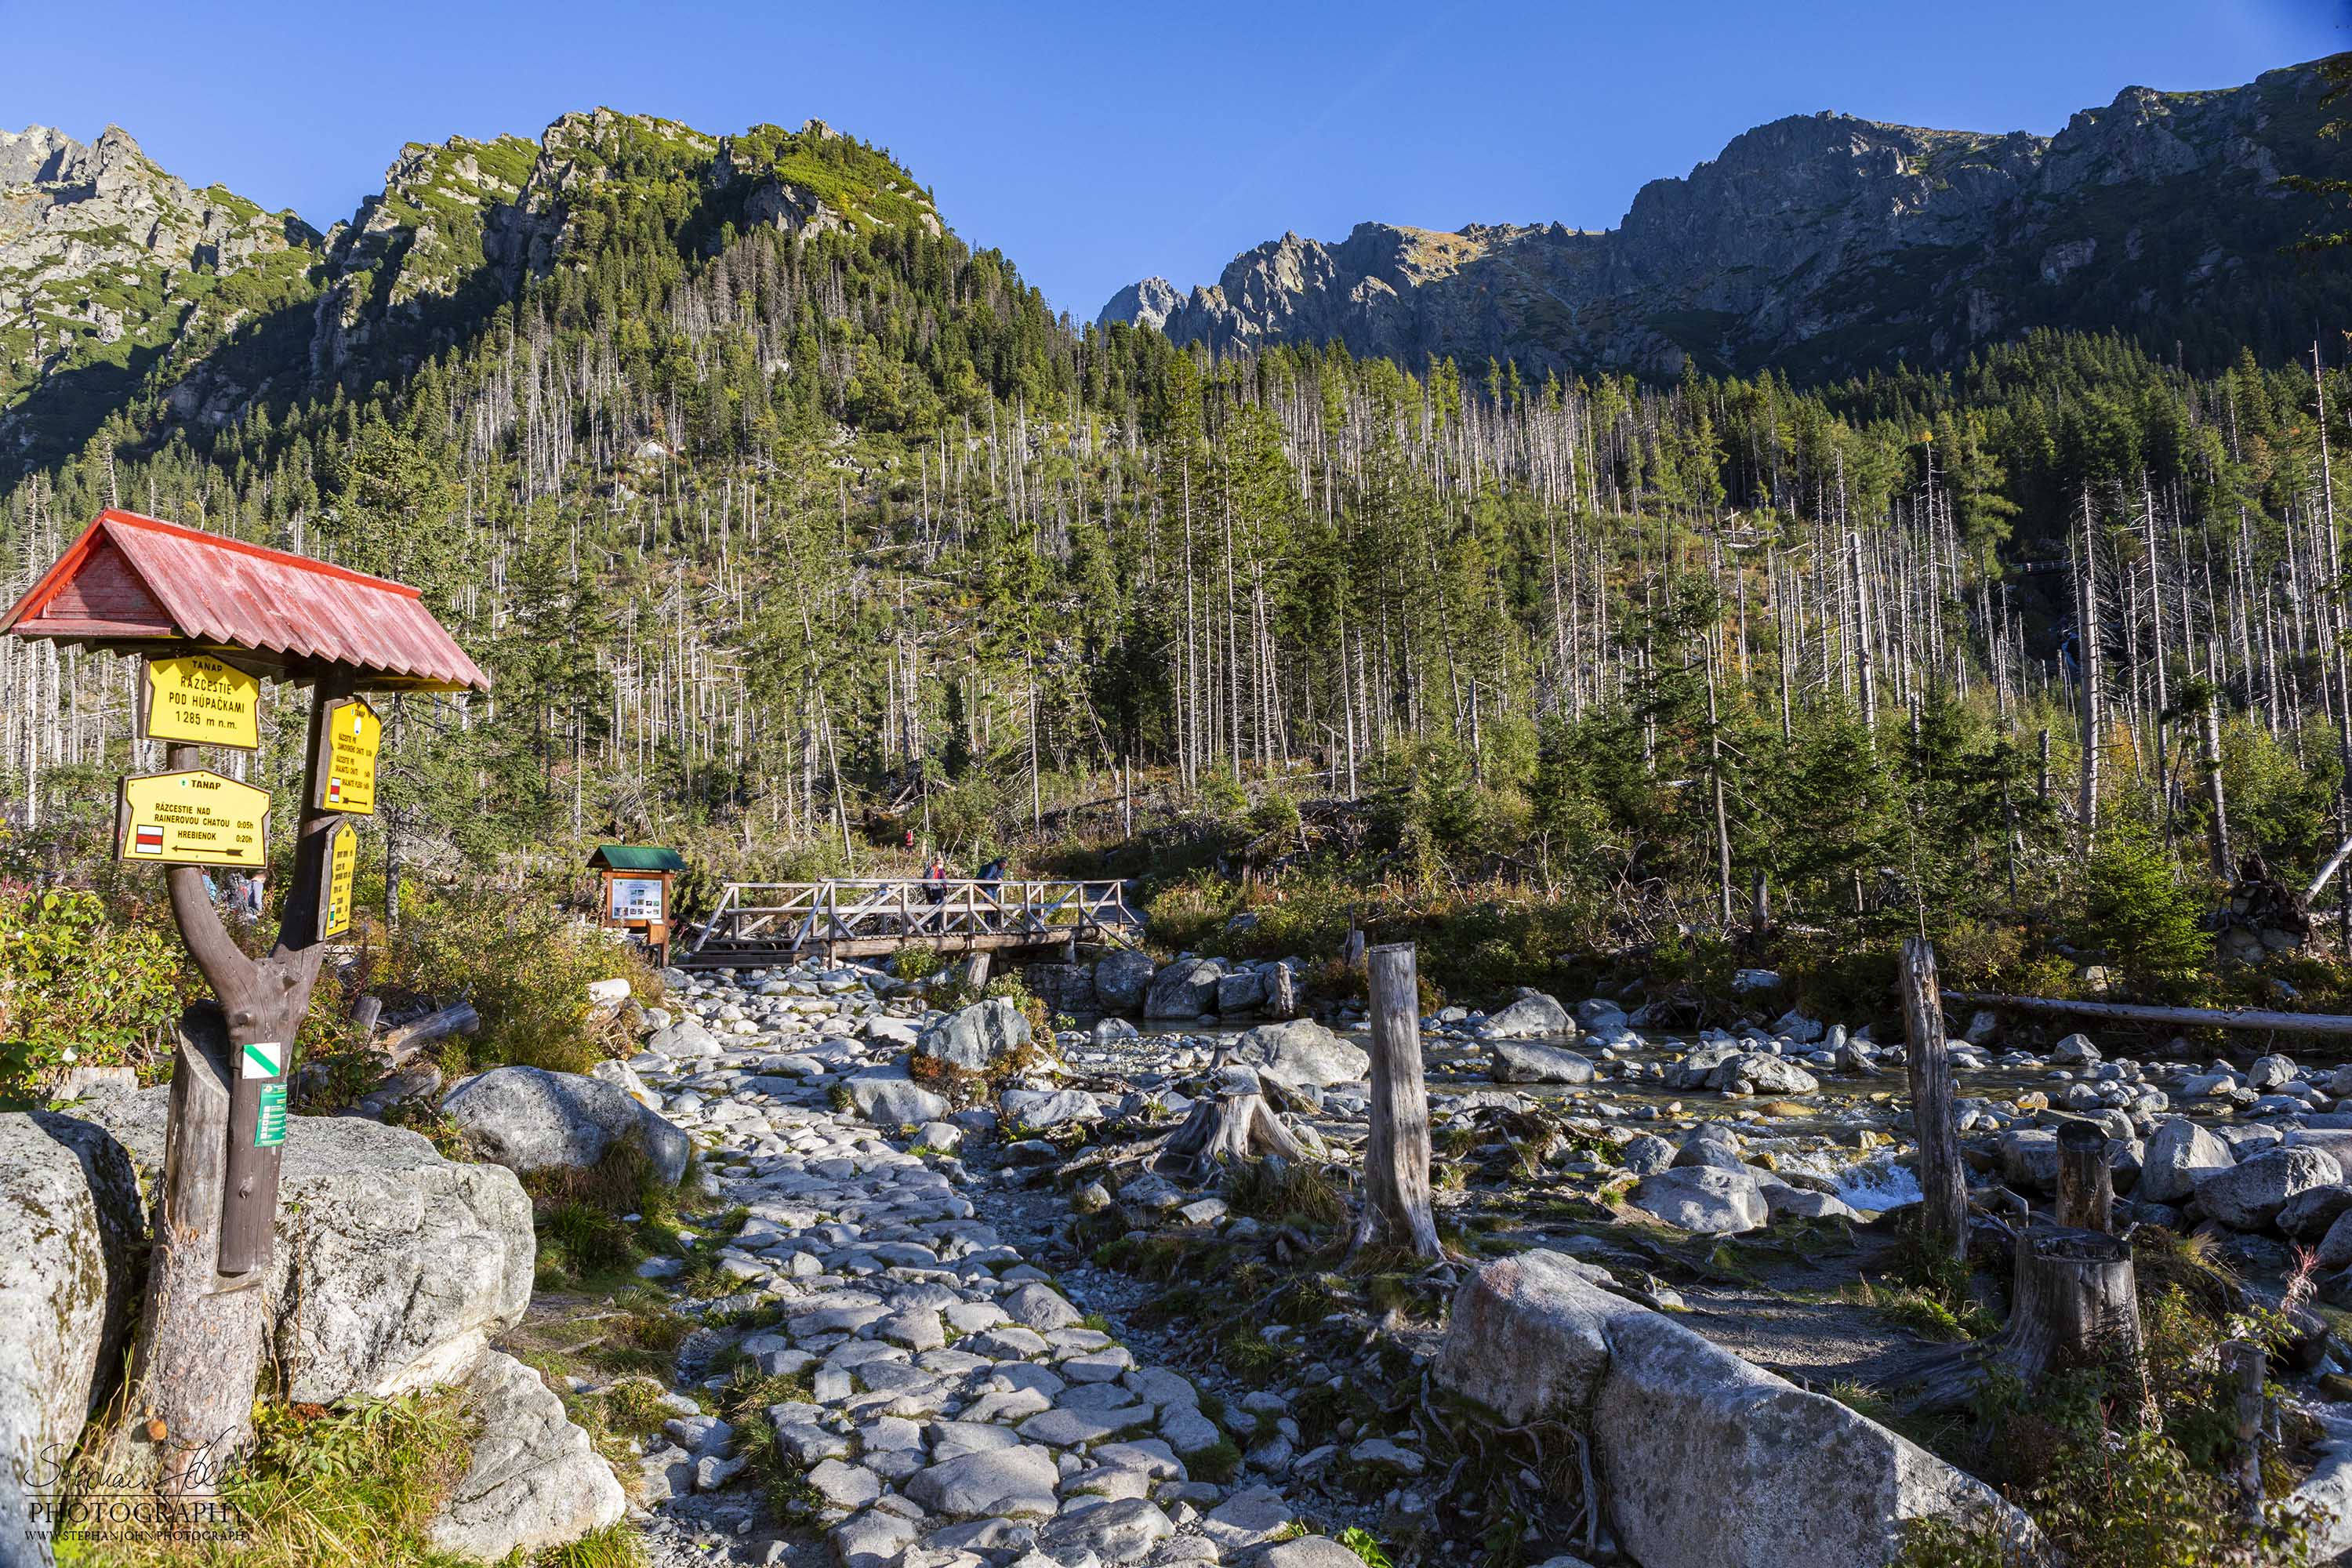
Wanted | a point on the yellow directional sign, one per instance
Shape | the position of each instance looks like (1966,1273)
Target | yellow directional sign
(193,818)
(202,700)
(349,734)
(342,866)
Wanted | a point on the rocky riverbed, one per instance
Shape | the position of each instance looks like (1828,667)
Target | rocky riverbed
(942,1222)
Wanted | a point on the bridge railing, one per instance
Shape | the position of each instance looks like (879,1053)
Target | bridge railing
(911,911)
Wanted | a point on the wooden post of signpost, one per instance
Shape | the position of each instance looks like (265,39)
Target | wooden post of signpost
(199,1346)
(1397,1200)
(1944,1212)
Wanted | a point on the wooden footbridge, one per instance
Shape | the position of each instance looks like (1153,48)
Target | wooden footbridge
(759,923)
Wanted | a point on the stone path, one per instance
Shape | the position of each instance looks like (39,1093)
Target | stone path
(961,1413)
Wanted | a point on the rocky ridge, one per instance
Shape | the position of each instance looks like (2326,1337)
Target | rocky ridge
(117,278)
(1819,243)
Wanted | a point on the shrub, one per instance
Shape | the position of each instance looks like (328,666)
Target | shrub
(81,985)
(526,969)
(356,1484)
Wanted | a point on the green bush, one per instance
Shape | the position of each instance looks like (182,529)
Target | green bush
(80,986)
(524,965)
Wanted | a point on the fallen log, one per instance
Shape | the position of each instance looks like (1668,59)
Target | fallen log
(2183,1018)
(406,1041)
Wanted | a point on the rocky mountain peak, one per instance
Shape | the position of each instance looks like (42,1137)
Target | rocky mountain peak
(1823,242)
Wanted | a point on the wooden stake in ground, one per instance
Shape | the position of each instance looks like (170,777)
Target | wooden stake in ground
(1396,1156)
(2086,1188)
(1944,1211)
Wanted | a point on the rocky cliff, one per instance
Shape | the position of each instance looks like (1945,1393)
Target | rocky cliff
(1824,243)
(119,281)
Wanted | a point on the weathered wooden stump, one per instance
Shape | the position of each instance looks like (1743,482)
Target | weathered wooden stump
(2074,1303)
(2086,1186)
(1234,1127)
(1943,1182)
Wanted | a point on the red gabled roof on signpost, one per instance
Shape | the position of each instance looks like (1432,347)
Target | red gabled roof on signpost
(137,584)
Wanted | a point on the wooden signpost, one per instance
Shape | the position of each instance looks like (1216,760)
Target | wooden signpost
(212,617)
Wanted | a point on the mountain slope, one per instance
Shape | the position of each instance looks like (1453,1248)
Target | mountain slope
(1819,243)
(118,282)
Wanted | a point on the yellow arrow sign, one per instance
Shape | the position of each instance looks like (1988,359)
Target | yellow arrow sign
(200,698)
(349,736)
(342,866)
(193,818)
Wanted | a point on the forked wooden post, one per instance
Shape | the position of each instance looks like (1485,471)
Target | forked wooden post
(1944,1213)
(1397,1211)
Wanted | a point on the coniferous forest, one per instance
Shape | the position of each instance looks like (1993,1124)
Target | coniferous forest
(776,544)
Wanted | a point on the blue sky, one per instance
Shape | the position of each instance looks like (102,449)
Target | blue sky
(1099,143)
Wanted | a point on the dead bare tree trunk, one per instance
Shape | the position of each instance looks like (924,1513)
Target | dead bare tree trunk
(1397,1210)
(2210,756)
(1944,1213)
(2086,1187)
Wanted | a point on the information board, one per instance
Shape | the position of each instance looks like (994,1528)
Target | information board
(201,700)
(191,818)
(349,736)
(636,898)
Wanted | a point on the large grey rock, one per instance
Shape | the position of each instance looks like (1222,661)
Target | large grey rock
(1016,1482)
(1759,1072)
(1301,1051)
(1121,980)
(1787,1476)
(1515,1061)
(528,1119)
(2176,1155)
(1532,1013)
(889,1097)
(1704,1198)
(1185,989)
(534,1481)
(72,1202)
(977,1038)
(688,1036)
(2248,1196)
(1240,991)
(394,1267)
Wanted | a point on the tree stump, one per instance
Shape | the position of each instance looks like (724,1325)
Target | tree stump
(1281,992)
(198,1351)
(2086,1187)
(1236,1128)
(2074,1304)
(1397,1199)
